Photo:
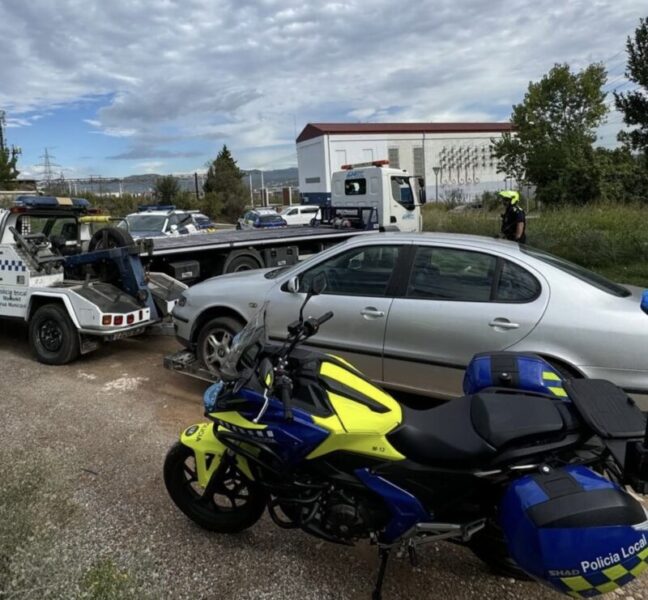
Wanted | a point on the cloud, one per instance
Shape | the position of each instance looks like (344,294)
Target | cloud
(139,152)
(254,72)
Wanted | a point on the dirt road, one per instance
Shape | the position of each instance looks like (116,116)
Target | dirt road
(84,512)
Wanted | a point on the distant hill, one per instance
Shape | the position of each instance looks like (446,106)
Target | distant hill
(145,183)
(276,177)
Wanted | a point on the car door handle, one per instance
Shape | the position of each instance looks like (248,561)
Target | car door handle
(370,312)
(504,324)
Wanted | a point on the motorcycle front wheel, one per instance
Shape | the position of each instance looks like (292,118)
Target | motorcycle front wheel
(236,504)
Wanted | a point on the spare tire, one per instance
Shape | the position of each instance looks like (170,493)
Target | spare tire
(110,237)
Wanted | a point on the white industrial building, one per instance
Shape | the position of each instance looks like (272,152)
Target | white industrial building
(449,156)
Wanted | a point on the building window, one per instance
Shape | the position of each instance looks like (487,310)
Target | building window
(394,158)
(312,179)
(418,160)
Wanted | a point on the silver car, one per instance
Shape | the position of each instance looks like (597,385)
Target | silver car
(412,309)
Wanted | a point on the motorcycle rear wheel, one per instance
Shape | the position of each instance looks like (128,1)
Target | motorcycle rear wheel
(237,504)
(490,547)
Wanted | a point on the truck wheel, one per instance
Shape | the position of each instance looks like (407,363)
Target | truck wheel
(214,342)
(243,262)
(110,237)
(52,335)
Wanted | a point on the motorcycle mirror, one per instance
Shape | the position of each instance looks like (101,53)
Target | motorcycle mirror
(317,286)
(266,373)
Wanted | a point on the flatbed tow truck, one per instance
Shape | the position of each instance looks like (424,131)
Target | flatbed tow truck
(367,198)
(75,295)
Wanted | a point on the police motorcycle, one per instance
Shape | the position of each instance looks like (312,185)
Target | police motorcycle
(530,471)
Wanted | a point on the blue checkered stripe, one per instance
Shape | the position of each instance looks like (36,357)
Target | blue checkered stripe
(12,265)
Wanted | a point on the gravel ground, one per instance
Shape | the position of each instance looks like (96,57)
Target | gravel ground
(84,512)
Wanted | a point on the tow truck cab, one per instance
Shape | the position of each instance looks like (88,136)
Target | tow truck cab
(392,195)
(73,290)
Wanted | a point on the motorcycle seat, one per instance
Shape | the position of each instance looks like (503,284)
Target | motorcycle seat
(472,430)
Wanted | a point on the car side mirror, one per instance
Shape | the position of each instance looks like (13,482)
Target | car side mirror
(293,285)
(173,228)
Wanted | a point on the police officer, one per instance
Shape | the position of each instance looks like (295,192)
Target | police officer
(513,218)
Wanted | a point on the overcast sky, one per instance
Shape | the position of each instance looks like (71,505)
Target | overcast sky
(129,86)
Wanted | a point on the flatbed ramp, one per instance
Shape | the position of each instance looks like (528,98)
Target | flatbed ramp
(233,238)
(186,362)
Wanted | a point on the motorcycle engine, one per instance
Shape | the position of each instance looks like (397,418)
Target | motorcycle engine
(344,516)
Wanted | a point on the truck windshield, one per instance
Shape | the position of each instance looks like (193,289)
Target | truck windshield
(402,192)
(152,223)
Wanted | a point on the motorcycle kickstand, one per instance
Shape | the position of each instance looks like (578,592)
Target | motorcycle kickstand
(383,554)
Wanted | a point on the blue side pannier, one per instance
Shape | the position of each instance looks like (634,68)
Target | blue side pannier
(517,370)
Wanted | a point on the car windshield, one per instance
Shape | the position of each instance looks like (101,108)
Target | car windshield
(594,279)
(153,223)
(244,341)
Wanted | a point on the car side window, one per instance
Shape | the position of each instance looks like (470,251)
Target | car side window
(516,284)
(358,272)
(451,274)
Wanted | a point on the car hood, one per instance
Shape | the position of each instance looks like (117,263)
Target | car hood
(248,283)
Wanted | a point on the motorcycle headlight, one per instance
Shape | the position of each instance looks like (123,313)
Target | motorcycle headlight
(211,396)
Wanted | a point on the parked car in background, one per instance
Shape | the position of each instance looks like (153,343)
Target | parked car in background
(412,309)
(260,218)
(300,215)
(164,220)
(203,222)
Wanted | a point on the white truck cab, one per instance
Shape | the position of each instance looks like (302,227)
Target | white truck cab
(395,195)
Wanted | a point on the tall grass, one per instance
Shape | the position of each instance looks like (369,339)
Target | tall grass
(610,239)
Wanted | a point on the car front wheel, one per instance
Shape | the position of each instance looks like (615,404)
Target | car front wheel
(214,342)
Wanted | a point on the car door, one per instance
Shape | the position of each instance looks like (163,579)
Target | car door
(359,284)
(458,302)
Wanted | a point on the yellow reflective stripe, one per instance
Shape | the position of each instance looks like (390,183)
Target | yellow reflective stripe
(639,569)
(356,428)
(643,555)
(604,588)
(550,376)
(558,391)
(615,572)
(360,385)
(577,584)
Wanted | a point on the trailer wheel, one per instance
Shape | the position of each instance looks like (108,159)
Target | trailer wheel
(53,337)
(110,237)
(242,262)
(214,342)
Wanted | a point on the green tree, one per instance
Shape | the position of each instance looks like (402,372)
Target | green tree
(554,131)
(166,189)
(225,193)
(634,104)
(8,159)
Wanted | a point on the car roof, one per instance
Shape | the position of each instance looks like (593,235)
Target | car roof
(265,211)
(433,236)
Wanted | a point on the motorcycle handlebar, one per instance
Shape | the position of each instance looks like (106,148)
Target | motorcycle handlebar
(325,317)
